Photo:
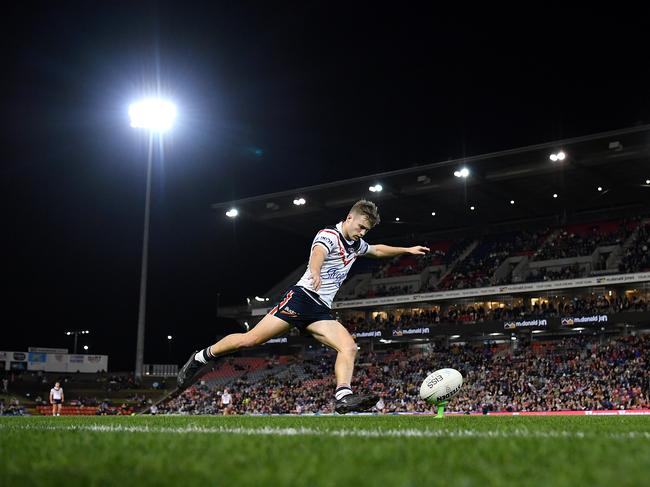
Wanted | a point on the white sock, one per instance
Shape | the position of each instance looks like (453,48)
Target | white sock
(342,391)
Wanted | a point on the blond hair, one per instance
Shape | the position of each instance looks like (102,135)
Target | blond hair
(367,208)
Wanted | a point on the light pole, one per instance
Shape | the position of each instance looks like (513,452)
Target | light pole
(76,333)
(156,116)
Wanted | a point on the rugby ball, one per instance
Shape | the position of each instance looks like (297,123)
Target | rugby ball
(441,385)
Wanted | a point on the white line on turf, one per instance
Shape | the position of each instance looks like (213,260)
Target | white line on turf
(360,433)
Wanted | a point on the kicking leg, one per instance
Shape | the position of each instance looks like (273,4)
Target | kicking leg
(269,327)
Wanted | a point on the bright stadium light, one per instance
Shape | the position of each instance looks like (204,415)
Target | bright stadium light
(376,188)
(462,173)
(454,336)
(257,298)
(152,114)
(512,202)
(647,181)
(560,156)
(472,208)
(397,219)
(85,347)
(600,188)
(169,337)
(232,213)
(299,201)
(433,213)
(554,195)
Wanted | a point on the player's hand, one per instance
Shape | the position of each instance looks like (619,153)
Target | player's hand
(315,281)
(418,250)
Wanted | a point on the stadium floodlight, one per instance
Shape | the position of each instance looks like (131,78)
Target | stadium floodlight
(169,337)
(376,188)
(299,201)
(433,213)
(554,195)
(538,331)
(257,298)
(600,188)
(647,181)
(232,213)
(454,336)
(512,202)
(462,173)
(157,117)
(396,218)
(153,114)
(495,334)
(559,156)
(85,347)
(76,334)
(472,208)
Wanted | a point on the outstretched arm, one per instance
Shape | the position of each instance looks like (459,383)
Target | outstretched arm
(380,251)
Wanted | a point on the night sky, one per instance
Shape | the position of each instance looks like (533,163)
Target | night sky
(269,98)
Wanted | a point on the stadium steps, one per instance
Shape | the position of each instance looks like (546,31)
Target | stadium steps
(463,255)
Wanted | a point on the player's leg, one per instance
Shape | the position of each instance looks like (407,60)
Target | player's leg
(53,408)
(270,326)
(336,336)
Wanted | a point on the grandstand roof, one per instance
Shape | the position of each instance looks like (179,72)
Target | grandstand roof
(616,161)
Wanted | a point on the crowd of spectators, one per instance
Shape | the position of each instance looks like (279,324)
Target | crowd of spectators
(11,408)
(453,314)
(570,243)
(637,258)
(478,268)
(581,373)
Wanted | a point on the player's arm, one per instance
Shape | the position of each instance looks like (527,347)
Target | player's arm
(62,397)
(51,398)
(380,251)
(316,259)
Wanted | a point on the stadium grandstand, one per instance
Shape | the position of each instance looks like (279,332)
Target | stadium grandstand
(537,288)
(537,284)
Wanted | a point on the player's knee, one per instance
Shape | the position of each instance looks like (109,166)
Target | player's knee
(249,340)
(350,349)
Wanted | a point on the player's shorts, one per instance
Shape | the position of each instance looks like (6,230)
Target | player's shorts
(57,401)
(300,307)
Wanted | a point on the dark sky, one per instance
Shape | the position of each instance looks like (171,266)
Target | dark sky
(270,98)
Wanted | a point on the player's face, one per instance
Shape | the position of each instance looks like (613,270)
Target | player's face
(358,226)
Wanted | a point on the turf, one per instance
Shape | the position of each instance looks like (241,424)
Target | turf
(325,451)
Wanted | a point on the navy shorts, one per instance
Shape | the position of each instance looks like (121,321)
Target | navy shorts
(300,308)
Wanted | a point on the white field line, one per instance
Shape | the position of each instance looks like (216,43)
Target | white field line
(358,433)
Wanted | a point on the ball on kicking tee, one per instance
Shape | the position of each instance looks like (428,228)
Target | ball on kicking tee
(441,385)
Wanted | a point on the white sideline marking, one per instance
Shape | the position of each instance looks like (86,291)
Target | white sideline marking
(359,433)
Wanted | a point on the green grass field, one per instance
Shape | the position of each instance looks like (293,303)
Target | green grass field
(325,451)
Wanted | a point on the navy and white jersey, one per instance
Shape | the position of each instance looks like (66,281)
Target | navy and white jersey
(341,253)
